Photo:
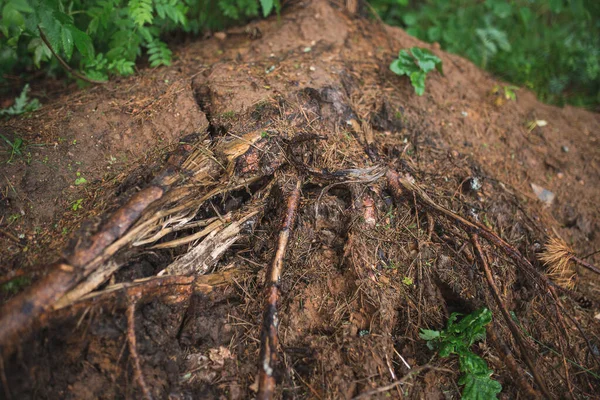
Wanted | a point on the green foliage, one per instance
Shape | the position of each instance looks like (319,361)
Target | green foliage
(416,67)
(457,339)
(22,104)
(15,147)
(549,46)
(15,285)
(106,37)
(159,54)
(77,204)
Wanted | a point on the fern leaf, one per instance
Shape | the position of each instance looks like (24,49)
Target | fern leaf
(140,11)
(159,54)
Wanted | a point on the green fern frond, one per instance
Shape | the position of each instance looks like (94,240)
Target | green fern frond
(140,11)
(159,53)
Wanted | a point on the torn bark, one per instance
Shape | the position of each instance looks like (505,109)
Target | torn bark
(206,254)
(18,315)
(177,288)
(269,338)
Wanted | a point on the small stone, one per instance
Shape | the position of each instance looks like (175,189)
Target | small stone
(473,184)
(546,196)
(464,113)
(221,35)
(565,149)
(560,175)
(307,49)
(312,68)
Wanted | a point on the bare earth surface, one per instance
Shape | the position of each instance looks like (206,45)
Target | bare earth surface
(355,292)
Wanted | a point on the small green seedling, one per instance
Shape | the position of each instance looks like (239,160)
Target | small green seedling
(76,205)
(457,338)
(416,66)
(80,179)
(16,147)
(22,104)
(509,92)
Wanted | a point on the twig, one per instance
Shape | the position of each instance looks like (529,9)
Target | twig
(131,339)
(591,348)
(585,264)
(593,253)
(398,185)
(402,358)
(513,367)
(409,375)
(64,63)
(507,318)
(269,338)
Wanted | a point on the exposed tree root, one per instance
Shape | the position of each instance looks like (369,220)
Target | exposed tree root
(132,341)
(401,186)
(269,337)
(175,286)
(506,315)
(515,370)
(84,262)
(176,215)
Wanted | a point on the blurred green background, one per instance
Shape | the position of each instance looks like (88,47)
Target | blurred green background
(549,46)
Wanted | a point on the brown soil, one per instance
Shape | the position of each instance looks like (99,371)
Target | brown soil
(355,292)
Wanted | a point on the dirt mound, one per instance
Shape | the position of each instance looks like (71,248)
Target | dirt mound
(410,208)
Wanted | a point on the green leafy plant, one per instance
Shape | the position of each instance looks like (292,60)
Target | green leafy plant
(106,37)
(23,104)
(16,147)
(416,66)
(549,46)
(80,180)
(76,205)
(457,339)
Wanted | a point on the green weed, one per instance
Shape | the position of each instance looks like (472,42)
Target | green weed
(80,180)
(457,339)
(12,218)
(416,66)
(22,104)
(76,205)
(16,147)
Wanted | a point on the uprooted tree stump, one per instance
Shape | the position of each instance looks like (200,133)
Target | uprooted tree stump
(296,246)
